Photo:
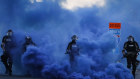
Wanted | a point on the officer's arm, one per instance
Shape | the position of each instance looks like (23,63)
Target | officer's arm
(68,47)
(137,47)
(33,43)
(3,44)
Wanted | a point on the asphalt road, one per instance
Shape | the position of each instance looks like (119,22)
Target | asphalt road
(138,74)
(16,77)
(23,77)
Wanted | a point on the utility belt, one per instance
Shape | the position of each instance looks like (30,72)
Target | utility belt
(130,54)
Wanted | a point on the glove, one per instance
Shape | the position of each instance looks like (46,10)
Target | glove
(138,50)
(125,55)
(67,52)
(123,51)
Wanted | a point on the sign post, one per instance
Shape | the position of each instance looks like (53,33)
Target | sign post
(116,28)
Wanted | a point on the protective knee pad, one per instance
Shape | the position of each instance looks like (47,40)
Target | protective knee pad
(129,66)
(134,68)
(6,65)
(4,58)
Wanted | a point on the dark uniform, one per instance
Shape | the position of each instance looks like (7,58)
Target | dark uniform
(7,46)
(72,50)
(132,49)
(28,41)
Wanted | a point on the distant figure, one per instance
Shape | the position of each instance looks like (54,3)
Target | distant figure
(28,41)
(72,49)
(7,45)
(132,48)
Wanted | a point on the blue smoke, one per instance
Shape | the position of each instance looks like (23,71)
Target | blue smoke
(51,28)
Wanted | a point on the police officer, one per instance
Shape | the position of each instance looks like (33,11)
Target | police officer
(28,41)
(132,48)
(72,49)
(7,46)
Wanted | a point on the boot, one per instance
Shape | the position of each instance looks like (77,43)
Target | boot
(133,72)
(10,69)
(6,67)
(7,71)
(10,73)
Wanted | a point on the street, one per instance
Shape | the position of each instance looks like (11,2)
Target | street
(16,77)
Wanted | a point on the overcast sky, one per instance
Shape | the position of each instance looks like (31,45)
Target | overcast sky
(76,4)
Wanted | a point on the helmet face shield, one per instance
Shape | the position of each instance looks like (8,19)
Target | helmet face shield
(74,37)
(131,39)
(9,33)
(28,38)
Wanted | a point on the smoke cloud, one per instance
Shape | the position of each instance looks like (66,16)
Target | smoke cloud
(51,27)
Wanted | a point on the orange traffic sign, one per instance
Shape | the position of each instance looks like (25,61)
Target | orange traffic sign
(114,25)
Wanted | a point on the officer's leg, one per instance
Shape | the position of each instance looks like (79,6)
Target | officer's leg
(10,65)
(71,60)
(10,68)
(129,62)
(137,61)
(4,60)
(134,65)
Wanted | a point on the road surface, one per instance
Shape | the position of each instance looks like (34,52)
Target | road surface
(138,74)
(23,77)
(16,77)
